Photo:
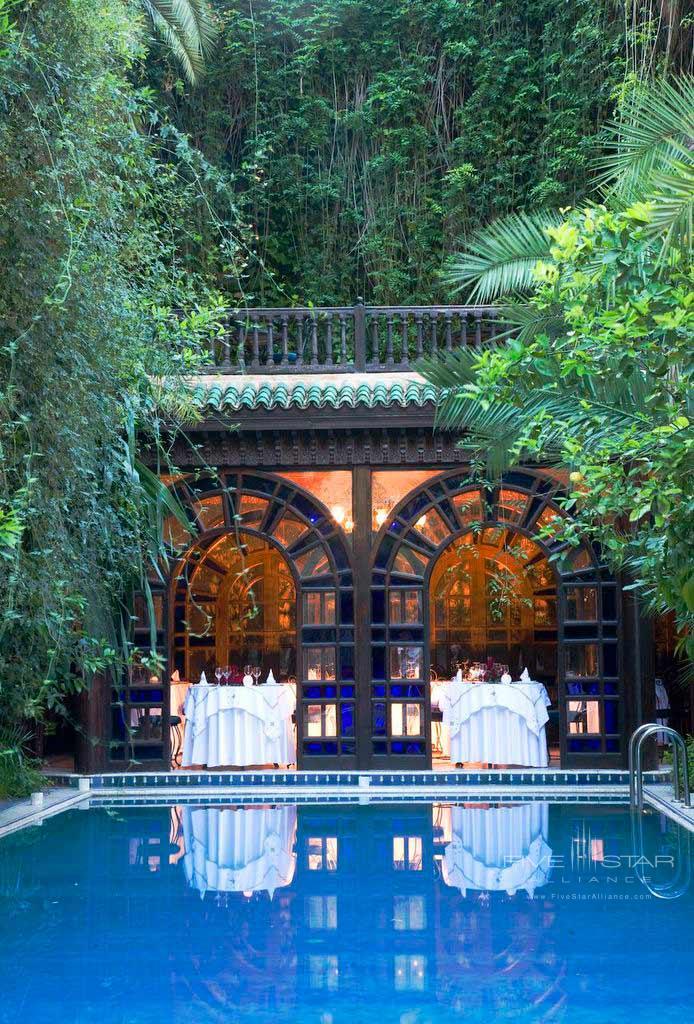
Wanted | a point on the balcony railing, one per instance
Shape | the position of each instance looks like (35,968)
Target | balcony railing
(345,339)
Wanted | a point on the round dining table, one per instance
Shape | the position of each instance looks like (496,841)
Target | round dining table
(493,723)
(241,726)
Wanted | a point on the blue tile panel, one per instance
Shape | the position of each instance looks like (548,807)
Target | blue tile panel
(431,780)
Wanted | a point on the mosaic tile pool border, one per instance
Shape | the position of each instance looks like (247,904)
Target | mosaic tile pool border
(245,780)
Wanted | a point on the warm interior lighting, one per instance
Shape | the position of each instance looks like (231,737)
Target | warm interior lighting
(422,521)
(380,516)
(348,524)
(338,513)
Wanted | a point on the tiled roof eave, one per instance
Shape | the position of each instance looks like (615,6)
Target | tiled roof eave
(235,394)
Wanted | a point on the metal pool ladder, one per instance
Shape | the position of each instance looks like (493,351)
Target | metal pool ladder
(636,771)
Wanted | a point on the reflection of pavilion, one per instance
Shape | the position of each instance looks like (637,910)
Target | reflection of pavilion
(239,850)
(497,849)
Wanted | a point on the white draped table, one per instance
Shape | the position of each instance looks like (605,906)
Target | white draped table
(239,725)
(494,723)
(239,849)
(498,849)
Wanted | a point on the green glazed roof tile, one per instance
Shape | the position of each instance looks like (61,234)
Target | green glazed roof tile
(365,390)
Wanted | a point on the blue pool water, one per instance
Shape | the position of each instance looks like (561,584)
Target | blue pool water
(410,913)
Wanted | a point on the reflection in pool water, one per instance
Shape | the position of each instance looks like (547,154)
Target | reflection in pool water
(408,913)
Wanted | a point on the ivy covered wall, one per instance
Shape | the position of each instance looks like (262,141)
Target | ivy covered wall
(367,136)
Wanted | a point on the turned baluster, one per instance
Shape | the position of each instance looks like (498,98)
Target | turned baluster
(434,340)
(270,344)
(314,340)
(285,340)
(255,348)
(478,327)
(375,355)
(405,354)
(389,339)
(343,339)
(329,339)
(420,334)
(449,337)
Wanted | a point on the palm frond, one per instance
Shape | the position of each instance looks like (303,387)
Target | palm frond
(526,321)
(656,129)
(187,28)
(673,201)
(500,259)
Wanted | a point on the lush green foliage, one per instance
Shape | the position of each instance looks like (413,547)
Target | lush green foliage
(187,28)
(366,136)
(597,374)
(99,200)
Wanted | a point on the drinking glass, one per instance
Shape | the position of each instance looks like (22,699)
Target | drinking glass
(218,674)
(255,672)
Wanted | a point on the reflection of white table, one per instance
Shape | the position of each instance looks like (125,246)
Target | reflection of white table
(495,723)
(239,850)
(239,725)
(498,849)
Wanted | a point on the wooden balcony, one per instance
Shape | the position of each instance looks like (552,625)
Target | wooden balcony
(344,339)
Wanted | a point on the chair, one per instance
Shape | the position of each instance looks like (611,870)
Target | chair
(176,725)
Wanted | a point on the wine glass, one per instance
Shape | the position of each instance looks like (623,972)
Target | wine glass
(218,674)
(255,672)
(247,670)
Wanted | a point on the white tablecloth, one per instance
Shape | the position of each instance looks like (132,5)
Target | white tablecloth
(239,725)
(495,723)
(239,850)
(498,849)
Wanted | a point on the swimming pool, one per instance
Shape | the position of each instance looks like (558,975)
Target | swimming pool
(414,913)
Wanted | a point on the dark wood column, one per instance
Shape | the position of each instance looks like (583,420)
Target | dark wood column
(93,726)
(361,503)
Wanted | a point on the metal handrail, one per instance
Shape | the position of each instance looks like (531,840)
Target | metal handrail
(635,769)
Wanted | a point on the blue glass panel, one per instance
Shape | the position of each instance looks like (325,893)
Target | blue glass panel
(583,745)
(312,747)
(346,609)
(378,606)
(457,483)
(610,659)
(611,709)
(415,691)
(312,692)
(580,689)
(118,730)
(380,747)
(346,663)
(612,746)
(348,691)
(610,687)
(414,508)
(379,691)
(519,479)
(180,662)
(259,483)
(398,690)
(415,747)
(339,554)
(349,747)
(384,552)
(609,603)
(379,719)
(145,753)
(397,747)
(179,615)
(346,635)
(331,690)
(378,662)
(347,719)
(304,506)
(146,696)
(329,747)
(378,635)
